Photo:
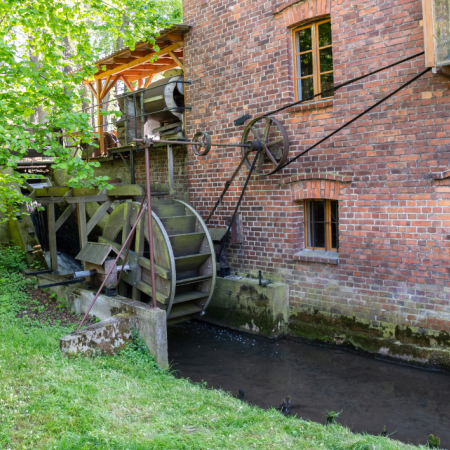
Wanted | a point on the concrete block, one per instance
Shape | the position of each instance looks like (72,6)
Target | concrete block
(106,337)
(244,305)
(151,323)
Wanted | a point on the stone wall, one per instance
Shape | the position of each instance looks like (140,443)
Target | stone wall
(388,169)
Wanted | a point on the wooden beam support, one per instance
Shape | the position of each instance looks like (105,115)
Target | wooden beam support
(111,85)
(64,216)
(138,53)
(87,199)
(52,235)
(128,84)
(177,60)
(94,92)
(149,80)
(100,118)
(105,86)
(97,216)
(123,60)
(82,231)
(139,61)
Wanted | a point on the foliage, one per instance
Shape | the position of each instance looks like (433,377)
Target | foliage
(12,258)
(332,416)
(47,49)
(434,441)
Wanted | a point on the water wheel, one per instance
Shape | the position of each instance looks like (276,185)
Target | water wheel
(185,263)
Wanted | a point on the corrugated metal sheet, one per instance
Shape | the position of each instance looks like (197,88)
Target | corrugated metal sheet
(94,253)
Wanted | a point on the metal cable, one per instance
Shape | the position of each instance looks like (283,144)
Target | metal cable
(335,88)
(354,119)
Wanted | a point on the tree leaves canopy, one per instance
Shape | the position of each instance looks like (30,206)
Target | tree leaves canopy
(38,69)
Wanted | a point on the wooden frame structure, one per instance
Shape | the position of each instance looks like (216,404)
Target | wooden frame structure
(139,65)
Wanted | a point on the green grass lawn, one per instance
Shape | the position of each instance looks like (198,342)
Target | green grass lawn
(125,401)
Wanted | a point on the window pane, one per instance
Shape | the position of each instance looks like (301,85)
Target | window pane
(326,82)
(305,88)
(334,235)
(304,40)
(306,64)
(334,210)
(326,59)
(325,34)
(316,223)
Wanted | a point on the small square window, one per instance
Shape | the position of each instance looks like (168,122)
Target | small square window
(313,60)
(322,225)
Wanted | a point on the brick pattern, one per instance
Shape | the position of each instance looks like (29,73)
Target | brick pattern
(316,189)
(296,12)
(394,228)
(159,171)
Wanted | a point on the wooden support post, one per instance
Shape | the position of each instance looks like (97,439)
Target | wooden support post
(149,80)
(170,168)
(82,230)
(177,60)
(126,220)
(100,118)
(52,235)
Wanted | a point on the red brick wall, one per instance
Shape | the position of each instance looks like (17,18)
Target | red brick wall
(394,227)
(159,171)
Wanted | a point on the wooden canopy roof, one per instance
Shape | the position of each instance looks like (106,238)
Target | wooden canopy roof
(136,65)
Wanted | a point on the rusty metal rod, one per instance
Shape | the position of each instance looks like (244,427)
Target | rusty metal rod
(113,266)
(129,245)
(150,223)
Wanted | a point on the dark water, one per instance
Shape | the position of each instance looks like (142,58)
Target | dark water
(411,402)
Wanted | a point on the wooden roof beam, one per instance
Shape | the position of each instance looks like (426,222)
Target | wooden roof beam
(138,61)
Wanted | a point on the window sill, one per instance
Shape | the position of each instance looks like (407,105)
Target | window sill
(311,105)
(317,256)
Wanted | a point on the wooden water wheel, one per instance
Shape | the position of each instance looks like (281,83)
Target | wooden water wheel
(185,263)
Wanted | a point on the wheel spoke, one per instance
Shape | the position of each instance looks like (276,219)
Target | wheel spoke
(256,134)
(271,157)
(266,130)
(278,141)
(260,162)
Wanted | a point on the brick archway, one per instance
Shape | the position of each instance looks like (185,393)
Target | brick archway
(295,12)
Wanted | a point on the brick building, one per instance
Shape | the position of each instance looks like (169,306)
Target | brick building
(377,273)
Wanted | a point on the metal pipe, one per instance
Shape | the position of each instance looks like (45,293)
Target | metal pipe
(150,223)
(85,273)
(110,270)
(61,283)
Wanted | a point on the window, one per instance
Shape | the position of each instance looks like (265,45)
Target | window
(313,60)
(321,231)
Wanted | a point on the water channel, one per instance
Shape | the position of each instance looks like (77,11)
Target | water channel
(412,403)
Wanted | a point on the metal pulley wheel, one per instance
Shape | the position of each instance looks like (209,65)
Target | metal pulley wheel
(274,140)
(201,141)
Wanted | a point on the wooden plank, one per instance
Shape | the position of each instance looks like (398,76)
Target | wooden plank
(170,179)
(97,216)
(428,33)
(186,244)
(52,235)
(52,192)
(191,262)
(81,210)
(100,118)
(155,71)
(179,224)
(183,309)
(64,216)
(160,271)
(154,99)
(87,199)
(177,60)
(126,190)
(189,296)
(51,200)
(139,61)
(194,279)
(147,288)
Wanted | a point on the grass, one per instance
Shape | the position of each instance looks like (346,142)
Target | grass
(127,402)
